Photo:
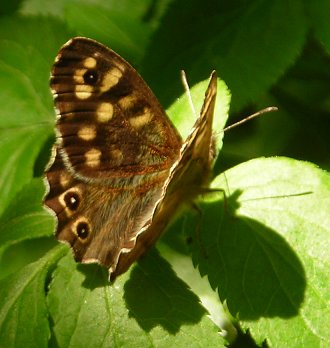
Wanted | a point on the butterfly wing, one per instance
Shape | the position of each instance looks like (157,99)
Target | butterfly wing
(99,222)
(114,152)
(188,177)
(191,172)
(110,125)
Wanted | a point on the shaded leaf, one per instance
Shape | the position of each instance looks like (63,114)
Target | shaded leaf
(238,39)
(267,249)
(150,307)
(117,27)
(319,16)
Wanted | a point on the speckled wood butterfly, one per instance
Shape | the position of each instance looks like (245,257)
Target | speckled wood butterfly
(119,170)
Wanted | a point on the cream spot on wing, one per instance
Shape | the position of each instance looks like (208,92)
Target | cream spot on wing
(127,102)
(110,79)
(93,158)
(79,76)
(83,91)
(87,133)
(90,63)
(64,179)
(104,112)
(116,156)
(141,120)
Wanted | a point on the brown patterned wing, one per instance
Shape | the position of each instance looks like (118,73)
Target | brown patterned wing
(114,152)
(100,222)
(110,125)
(193,168)
(189,176)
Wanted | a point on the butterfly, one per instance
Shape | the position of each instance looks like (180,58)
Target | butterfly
(119,169)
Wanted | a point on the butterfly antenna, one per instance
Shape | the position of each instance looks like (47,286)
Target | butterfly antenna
(186,87)
(248,118)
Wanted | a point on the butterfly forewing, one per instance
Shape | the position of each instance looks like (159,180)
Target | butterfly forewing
(110,125)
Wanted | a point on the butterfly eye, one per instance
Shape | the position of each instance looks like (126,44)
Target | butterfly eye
(72,200)
(91,77)
(82,230)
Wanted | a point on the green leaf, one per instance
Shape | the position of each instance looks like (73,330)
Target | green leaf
(24,219)
(149,307)
(238,39)
(144,10)
(10,7)
(27,118)
(267,247)
(120,29)
(18,151)
(180,260)
(23,310)
(184,120)
(319,16)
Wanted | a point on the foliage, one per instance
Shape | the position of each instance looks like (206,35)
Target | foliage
(259,240)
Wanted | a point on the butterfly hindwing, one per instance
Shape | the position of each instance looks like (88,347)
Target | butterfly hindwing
(99,222)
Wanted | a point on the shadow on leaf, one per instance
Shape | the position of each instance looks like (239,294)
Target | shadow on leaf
(96,276)
(253,267)
(155,296)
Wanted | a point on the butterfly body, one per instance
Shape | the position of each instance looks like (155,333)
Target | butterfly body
(120,170)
